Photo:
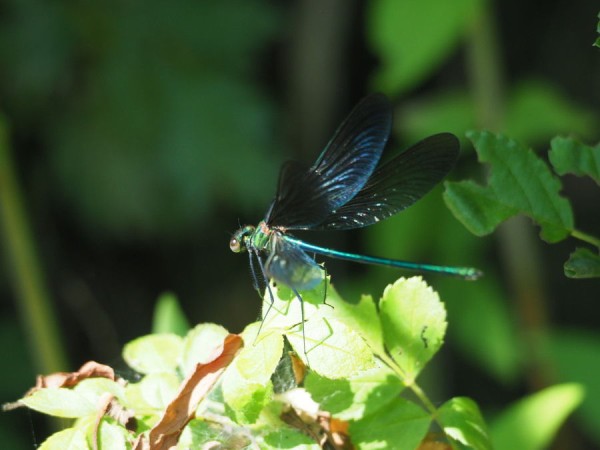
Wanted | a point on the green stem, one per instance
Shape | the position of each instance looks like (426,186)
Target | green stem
(485,71)
(586,238)
(37,314)
(519,245)
(410,383)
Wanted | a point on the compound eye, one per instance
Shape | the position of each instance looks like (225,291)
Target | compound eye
(234,245)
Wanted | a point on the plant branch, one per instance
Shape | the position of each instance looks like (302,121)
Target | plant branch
(37,313)
(593,240)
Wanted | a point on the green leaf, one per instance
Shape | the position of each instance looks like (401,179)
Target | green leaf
(520,182)
(113,437)
(257,360)
(245,401)
(80,401)
(552,108)
(94,388)
(199,345)
(482,306)
(400,424)
(332,347)
(451,111)
(576,356)
(169,317)
(454,111)
(361,316)
(153,353)
(200,432)
(532,423)
(462,422)
(246,387)
(153,393)
(357,396)
(583,263)
(288,439)
(68,439)
(569,156)
(407,53)
(414,323)
(59,402)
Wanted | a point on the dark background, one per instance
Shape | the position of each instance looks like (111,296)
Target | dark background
(143,133)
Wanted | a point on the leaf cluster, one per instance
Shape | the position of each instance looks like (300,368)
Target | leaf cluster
(346,377)
(520,182)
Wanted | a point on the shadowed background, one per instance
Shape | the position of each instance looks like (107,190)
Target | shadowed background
(140,135)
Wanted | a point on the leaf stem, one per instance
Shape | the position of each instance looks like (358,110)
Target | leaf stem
(410,383)
(519,247)
(593,240)
(37,313)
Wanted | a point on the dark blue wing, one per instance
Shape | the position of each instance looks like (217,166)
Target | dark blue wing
(306,196)
(290,265)
(398,183)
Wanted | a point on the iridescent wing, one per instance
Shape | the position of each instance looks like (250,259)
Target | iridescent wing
(398,183)
(290,265)
(306,196)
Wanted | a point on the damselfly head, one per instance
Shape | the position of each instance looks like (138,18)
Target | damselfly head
(237,243)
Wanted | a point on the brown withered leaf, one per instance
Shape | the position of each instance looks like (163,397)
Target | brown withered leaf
(328,432)
(194,388)
(336,431)
(90,369)
(435,441)
(298,367)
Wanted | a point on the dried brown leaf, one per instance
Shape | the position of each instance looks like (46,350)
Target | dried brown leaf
(194,388)
(90,369)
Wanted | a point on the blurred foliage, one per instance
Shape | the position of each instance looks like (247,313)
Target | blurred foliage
(150,106)
(406,61)
(547,409)
(519,183)
(142,130)
(229,384)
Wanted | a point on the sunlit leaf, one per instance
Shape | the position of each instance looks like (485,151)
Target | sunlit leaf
(400,424)
(199,345)
(288,439)
(333,349)
(246,387)
(81,401)
(113,437)
(357,396)
(68,439)
(361,316)
(520,183)
(169,317)
(153,393)
(60,402)
(153,353)
(569,156)
(414,323)
(532,423)
(462,422)
(331,345)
